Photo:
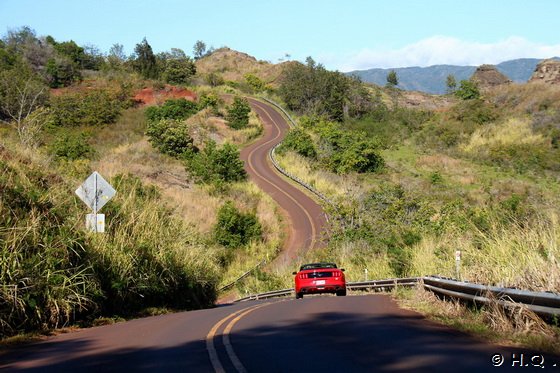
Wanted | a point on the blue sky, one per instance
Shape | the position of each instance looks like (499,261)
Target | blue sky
(343,35)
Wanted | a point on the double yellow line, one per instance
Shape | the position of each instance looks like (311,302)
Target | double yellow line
(231,319)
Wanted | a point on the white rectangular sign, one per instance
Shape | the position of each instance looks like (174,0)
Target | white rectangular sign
(95,223)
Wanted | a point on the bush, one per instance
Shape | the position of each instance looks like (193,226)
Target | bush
(178,109)
(300,142)
(238,113)
(235,228)
(170,137)
(89,109)
(343,151)
(468,90)
(72,147)
(216,165)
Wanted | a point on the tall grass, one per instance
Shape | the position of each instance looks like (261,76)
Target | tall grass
(53,272)
(523,254)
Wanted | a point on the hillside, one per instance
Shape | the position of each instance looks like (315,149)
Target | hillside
(432,79)
(233,66)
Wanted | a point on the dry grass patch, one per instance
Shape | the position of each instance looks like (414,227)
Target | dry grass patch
(514,327)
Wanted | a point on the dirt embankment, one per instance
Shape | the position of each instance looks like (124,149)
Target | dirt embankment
(151,96)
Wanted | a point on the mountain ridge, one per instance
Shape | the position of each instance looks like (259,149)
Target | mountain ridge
(432,79)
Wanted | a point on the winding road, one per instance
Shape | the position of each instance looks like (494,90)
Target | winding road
(365,333)
(304,216)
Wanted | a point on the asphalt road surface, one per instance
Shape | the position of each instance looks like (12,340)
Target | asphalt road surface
(304,216)
(316,334)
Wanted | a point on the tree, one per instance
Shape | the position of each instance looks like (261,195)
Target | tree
(199,49)
(451,83)
(145,60)
(116,57)
(468,90)
(238,113)
(179,71)
(21,94)
(392,79)
(312,90)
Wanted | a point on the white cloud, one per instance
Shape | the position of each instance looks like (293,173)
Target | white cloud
(438,50)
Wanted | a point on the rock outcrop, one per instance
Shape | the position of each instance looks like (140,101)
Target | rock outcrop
(547,71)
(488,76)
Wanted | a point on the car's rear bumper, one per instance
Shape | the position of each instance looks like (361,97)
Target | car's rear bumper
(324,288)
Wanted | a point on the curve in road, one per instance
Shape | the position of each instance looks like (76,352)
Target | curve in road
(322,333)
(304,215)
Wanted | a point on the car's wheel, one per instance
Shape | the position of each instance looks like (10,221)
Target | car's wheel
(299,295)
(341,293)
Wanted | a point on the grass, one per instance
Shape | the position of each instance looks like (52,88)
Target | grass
(522,329)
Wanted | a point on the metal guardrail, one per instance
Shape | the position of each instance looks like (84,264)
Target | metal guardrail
(276,165)
(542,303)
(366,285)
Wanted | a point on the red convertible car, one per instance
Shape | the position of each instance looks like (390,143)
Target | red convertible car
(315,278)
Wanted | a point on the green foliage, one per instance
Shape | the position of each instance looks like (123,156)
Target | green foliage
(179,70)
(299,141)
(343,151)
(214,79)
(62,72)
(93,108)
(21,92)
(171,137)
(312,90)
(199,49)
(179,109)
(475,111)
(451,83)
(145,60)
(468,90)
(216,165)
(71,147)
(234,228)
(238,113)
(211,101)
(392,79)
(254,82)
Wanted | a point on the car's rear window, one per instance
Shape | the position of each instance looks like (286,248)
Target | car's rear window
(317,266)
(319,274)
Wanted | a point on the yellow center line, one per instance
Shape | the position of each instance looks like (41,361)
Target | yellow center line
(213,354)
(313,228)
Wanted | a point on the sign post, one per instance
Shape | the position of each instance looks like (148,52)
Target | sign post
(95,192)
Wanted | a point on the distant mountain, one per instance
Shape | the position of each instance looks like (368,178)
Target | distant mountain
(432,79)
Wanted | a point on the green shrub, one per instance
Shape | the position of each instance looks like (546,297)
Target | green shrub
(170,137)
(238,113)
(300,142)
(254,82)
(468,90)
(178,109)
(85,109)
(235,228)
(345,151)
(72,147)
(216,165)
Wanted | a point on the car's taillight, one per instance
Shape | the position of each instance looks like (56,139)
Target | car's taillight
(303,275)
(337,274)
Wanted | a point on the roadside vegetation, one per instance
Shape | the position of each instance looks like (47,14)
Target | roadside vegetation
(184,220)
